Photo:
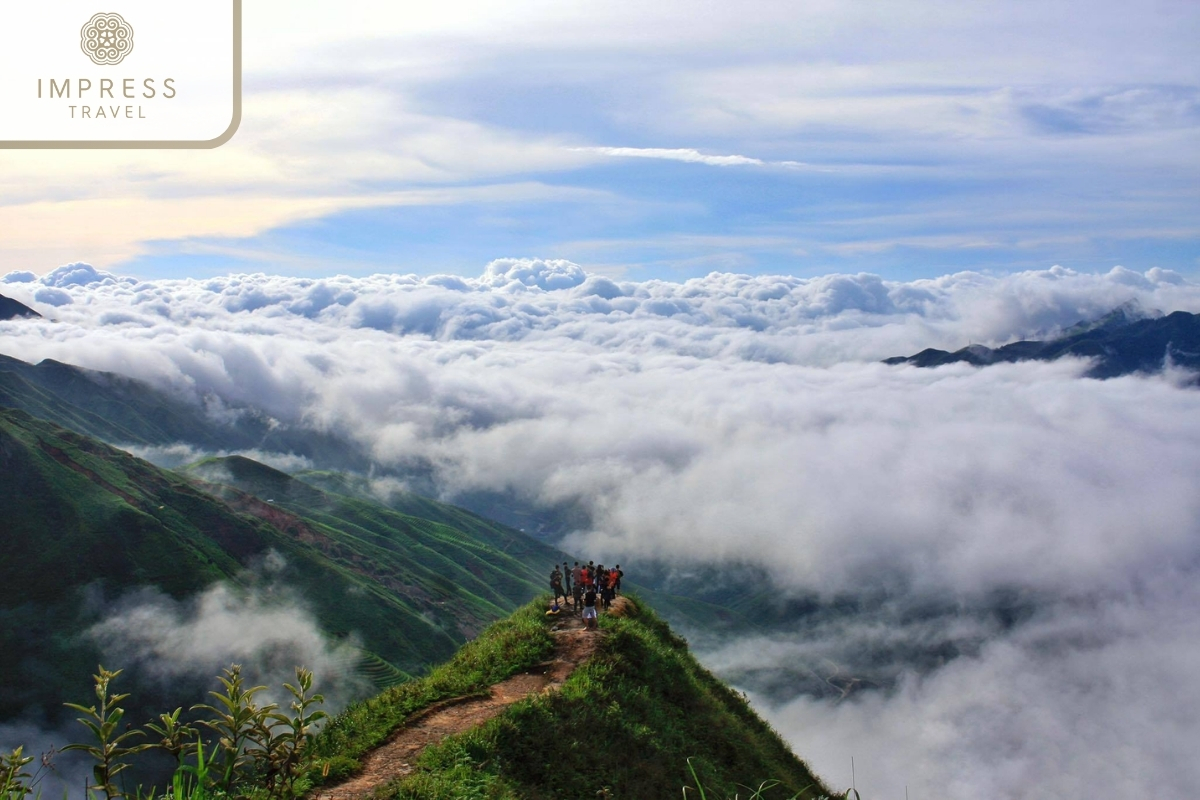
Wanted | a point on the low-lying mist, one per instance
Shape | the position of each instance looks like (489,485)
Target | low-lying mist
(175,643)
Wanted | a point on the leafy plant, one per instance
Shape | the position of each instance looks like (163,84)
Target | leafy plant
(284,744)
(14,783)
(174,737)
(234,720)
(109,749)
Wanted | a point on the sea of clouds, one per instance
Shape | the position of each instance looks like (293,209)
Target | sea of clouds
(747,419)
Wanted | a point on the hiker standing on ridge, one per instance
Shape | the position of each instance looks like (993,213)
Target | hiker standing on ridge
(556,585)
(566,573)
(577,577)
(617,574)
(607,587)
(589,610)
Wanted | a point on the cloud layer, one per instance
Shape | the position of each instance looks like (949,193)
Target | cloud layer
(1088,700)
(739,419)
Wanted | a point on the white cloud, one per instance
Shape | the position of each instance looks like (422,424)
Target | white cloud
(1084,701)
(181,454)
(692,156)
(264,628)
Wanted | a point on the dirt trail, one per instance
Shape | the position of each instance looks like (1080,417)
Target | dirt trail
(394,758)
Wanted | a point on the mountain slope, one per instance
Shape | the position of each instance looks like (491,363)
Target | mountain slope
(692,608)
(487,569)
(83,521)
(1118,344)
(624,724)
(13,309)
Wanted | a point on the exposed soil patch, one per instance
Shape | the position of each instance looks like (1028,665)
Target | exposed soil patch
(395,758)
(64,459)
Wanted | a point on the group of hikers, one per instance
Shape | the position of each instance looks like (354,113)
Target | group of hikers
(585,588)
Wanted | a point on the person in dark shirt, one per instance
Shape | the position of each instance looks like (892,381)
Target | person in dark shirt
(607,590)
(556,585)
(589,610)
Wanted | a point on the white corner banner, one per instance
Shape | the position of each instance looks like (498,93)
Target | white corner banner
(120,73)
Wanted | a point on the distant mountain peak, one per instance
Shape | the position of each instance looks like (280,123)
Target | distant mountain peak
(1129,339)
(12,309)
(1127,313)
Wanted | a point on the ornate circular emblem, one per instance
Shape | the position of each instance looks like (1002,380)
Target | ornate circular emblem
(106,39)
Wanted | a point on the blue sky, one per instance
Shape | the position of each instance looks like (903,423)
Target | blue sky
(906,139)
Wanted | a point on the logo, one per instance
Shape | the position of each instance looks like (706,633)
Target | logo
(182,88)
(106,39)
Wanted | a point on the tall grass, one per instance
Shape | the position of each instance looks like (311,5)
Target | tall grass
(760,793)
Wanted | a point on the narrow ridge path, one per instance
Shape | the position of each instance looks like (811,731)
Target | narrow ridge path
(395,758)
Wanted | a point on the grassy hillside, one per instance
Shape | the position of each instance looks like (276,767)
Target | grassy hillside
(627,722)
(84,521)
(458,568)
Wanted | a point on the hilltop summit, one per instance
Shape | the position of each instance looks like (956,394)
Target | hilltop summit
(13,309)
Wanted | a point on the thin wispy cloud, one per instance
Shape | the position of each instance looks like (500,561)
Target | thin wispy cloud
(688,155)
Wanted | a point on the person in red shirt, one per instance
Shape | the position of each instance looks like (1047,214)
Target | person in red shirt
(577,588)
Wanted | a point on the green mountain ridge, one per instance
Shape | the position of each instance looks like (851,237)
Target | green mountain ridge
(370,540)
(640,718)
(83,518)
